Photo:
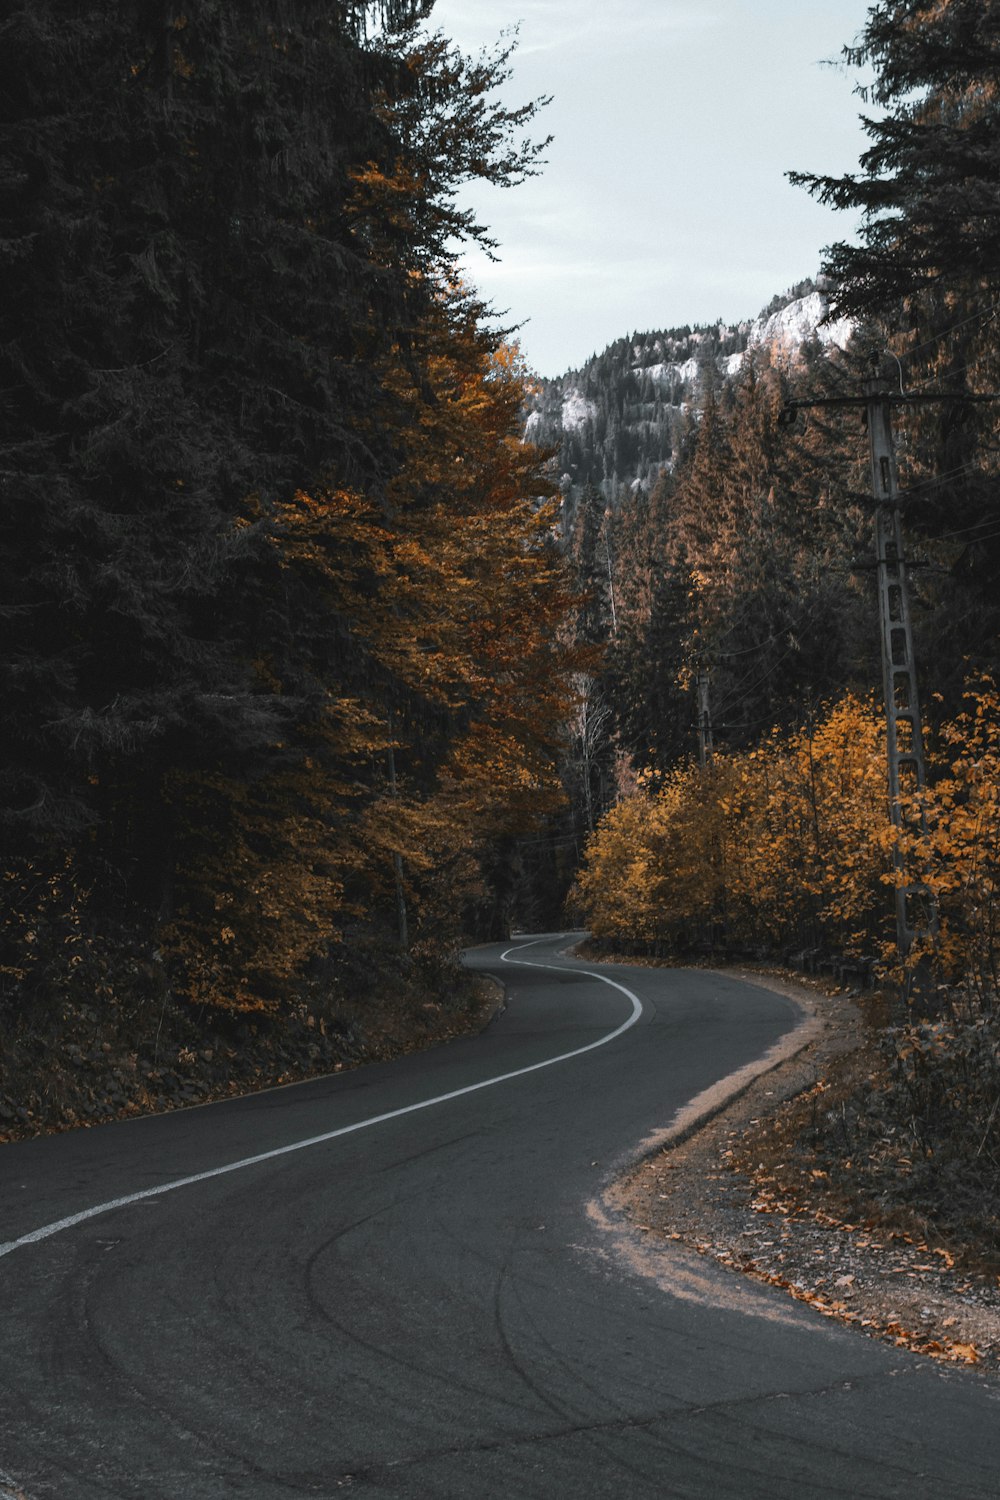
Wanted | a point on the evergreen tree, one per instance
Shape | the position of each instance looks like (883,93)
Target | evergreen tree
(927,270)
(929,190)
(649,665)
(224,228)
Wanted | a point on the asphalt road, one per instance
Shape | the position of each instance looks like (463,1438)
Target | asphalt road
(360,1290)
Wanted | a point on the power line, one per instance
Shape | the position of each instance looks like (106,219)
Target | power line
(938,375)
(947,536)
(935,480)
(980,317)
(735,694)
(747,650)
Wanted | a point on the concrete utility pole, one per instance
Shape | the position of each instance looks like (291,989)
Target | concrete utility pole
(915,909)
(915,906)
(706,746)
(916,913)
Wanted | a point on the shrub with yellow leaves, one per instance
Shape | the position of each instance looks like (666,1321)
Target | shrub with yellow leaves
(774,846)
(958,856)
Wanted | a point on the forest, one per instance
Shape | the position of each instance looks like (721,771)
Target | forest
(730,752)
(618,422)
(283,674)
(334,640)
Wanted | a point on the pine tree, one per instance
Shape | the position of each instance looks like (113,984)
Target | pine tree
(187,300)
(223,228)
(929,189)
(648,660)
(927,270)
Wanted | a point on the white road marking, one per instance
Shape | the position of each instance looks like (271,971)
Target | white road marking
(46,1231)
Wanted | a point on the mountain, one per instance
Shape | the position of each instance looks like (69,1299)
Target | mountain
(617,422)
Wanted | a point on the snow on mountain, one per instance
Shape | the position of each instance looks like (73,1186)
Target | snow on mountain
(783,332)
(669,374)
(577,411)
(658,374)
(786,330)
(620,420)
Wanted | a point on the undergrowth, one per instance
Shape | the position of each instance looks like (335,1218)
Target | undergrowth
(904,1132)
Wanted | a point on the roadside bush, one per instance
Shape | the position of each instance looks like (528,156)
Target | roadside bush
(775,846)
(944,1077)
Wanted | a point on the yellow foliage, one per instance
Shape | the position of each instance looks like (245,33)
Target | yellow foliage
(777,845)
(439,680)
(260,887)
(791,843)
(958,858)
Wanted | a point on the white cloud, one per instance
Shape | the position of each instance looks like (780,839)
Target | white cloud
(565,33)
(629,26)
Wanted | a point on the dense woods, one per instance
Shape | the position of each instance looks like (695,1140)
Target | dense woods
(750,563)
(334,639)
(281,673)
(741,773)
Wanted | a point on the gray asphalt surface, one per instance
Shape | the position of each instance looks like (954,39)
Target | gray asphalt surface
(422,1307)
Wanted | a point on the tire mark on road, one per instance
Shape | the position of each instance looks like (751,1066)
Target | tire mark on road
(46,1231)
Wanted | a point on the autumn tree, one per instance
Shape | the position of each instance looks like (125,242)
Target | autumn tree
(777,845)
(428,625)
(224,229)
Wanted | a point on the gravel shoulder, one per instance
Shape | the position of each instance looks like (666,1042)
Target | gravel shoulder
(703,1189)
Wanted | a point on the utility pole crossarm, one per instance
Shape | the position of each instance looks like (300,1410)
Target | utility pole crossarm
(793,406)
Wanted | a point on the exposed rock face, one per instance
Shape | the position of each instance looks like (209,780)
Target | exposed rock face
(617,421)
(785,332)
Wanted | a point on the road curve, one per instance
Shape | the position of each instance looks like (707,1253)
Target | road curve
(388,1282)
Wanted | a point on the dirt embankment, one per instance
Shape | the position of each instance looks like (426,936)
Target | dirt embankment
(81,1064)
(770,1189)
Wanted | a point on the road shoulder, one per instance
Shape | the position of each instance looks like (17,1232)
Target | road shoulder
(695,1188)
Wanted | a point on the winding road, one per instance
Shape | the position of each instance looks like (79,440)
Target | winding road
(401,1282)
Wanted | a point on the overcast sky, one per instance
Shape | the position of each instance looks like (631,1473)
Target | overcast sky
(663,200)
